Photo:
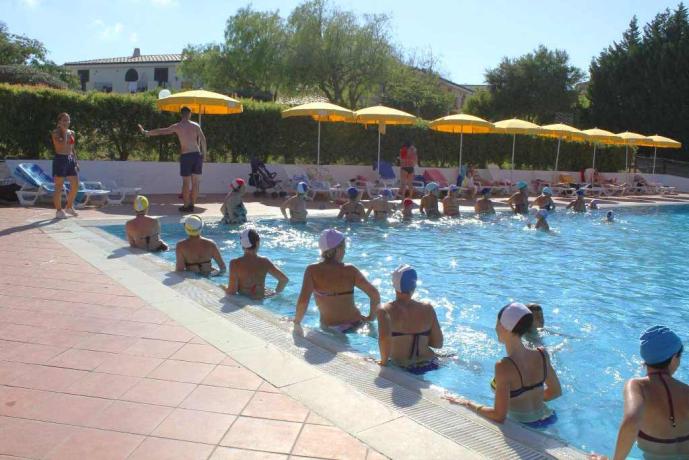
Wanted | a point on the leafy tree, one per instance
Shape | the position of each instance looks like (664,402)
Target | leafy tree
(535,86)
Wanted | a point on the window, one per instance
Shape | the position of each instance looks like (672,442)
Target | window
(160,74)
(83,78)
(131,75)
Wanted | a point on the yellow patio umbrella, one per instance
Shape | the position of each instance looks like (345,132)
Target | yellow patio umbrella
(320,111)
(201,102)
(662,142)
(601,136)
(631,139)
(515,126)
(561,131)
(461,124)
(382,116)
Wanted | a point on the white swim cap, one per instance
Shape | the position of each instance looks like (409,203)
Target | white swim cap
(140,203)
(512,313)
(404,279)
(193,225)
(330,239)
(302,187)
(248,238)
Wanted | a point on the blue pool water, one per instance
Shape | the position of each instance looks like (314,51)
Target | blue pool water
(600,285)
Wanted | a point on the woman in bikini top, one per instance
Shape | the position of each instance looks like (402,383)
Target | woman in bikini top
(332,283)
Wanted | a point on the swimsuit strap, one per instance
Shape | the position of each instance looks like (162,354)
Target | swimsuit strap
(669,397)
(414,353)
(521,379)
(545,363)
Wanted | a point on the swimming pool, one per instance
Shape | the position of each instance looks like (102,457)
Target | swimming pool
(600,285)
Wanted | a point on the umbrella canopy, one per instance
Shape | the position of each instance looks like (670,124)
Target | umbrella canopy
(320,111)
(561,131)
(601,136)
(515,126)
(461,124)
(382,116)
(657,142)
(631,139)
(201,102)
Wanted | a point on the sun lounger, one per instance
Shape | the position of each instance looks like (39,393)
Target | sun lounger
(386,179)
(36,184)
(297,174)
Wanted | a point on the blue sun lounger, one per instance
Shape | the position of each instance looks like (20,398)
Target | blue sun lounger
(37,184)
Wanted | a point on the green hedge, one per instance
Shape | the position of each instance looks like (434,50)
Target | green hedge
(106,129)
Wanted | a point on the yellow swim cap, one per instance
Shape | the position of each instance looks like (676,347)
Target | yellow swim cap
(140,203)
(193,225)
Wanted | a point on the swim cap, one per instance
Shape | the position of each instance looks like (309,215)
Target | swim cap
(485,191)
(302,188)
(521,184)
(387,193)
(431,187)
(542,213)
(453,188)
(249,238)
(237,183)
(330,239)
(408,202)
(512,313)
(658,344)
(352,192)
(580,192)
(610,215)
(547,191)
(140,203)
(193,225)
(404,279)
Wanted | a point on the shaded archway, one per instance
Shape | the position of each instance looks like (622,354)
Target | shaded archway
(131,75)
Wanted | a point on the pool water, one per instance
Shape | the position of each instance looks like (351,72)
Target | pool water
(599,284)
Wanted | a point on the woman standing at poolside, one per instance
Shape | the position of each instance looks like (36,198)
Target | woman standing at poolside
(248,273)
(524,379)
(332,282)
(408,161)
(65,165)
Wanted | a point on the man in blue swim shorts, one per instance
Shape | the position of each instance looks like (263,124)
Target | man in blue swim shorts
(193,148)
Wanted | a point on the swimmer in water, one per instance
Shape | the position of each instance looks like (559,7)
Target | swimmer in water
(407,207)
(541,222)
(519,202)
(233,209)
(544,200)
(593,205)
(429,202)
(483,205)
(381,206)
(408,330)
(143,232)
(610,217)
(332,283)
(352,210)
(516,396)
(195,253)
(248,272)
(296,205)
(579,204)
(451,202)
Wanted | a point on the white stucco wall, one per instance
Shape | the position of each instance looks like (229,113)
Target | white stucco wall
(163,177)
(114,74)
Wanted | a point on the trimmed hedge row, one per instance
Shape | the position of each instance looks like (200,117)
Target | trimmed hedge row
(106,129)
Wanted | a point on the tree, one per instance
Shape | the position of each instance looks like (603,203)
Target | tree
(535,86)
(642,83)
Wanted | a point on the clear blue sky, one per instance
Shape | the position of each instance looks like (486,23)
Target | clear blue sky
(468,36)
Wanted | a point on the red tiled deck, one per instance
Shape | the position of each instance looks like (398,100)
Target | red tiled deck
(90,371)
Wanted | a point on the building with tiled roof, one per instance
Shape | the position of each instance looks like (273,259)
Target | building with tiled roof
(130,74)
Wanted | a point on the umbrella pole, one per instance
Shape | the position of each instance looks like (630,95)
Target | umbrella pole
(461,144)
(318,157)
(514,141)
(378,164)
(594,163)
(655,152)
(557,156)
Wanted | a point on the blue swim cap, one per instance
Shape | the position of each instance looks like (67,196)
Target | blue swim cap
(521,184)
(580,192)
(485,191)
(404,279)
(387,193)
(453,188)
(547,191)
(302,187)
(352,192)
(658,344)
(431,187)
(610,215)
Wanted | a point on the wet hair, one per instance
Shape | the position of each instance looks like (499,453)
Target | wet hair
(666,363)
(330,253)
(523,325)
(407,144)
(62,115)
(534,307)
(185,110)
(254,238)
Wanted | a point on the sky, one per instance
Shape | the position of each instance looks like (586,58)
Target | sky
(468,36)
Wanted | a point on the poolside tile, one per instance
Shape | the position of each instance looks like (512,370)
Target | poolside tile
(96,445)
(168,449)
(59,337)
(101,385)
(136,366)
(217,399)
(373,455)
(148,315)
(228,453)
(129,417)
(275,406)
(11,370)
(195,426)
(19,332)
(66,408)
(268,388)
(316,419)
(19,402)
(130,328)
(161,392)
(328,442)
(106,342)
(153,348)
(48,378)
(199,353)
(174,333)
(260,434)
(31,438)
(80,359)
(182,371)
(230,362)
(233,377)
